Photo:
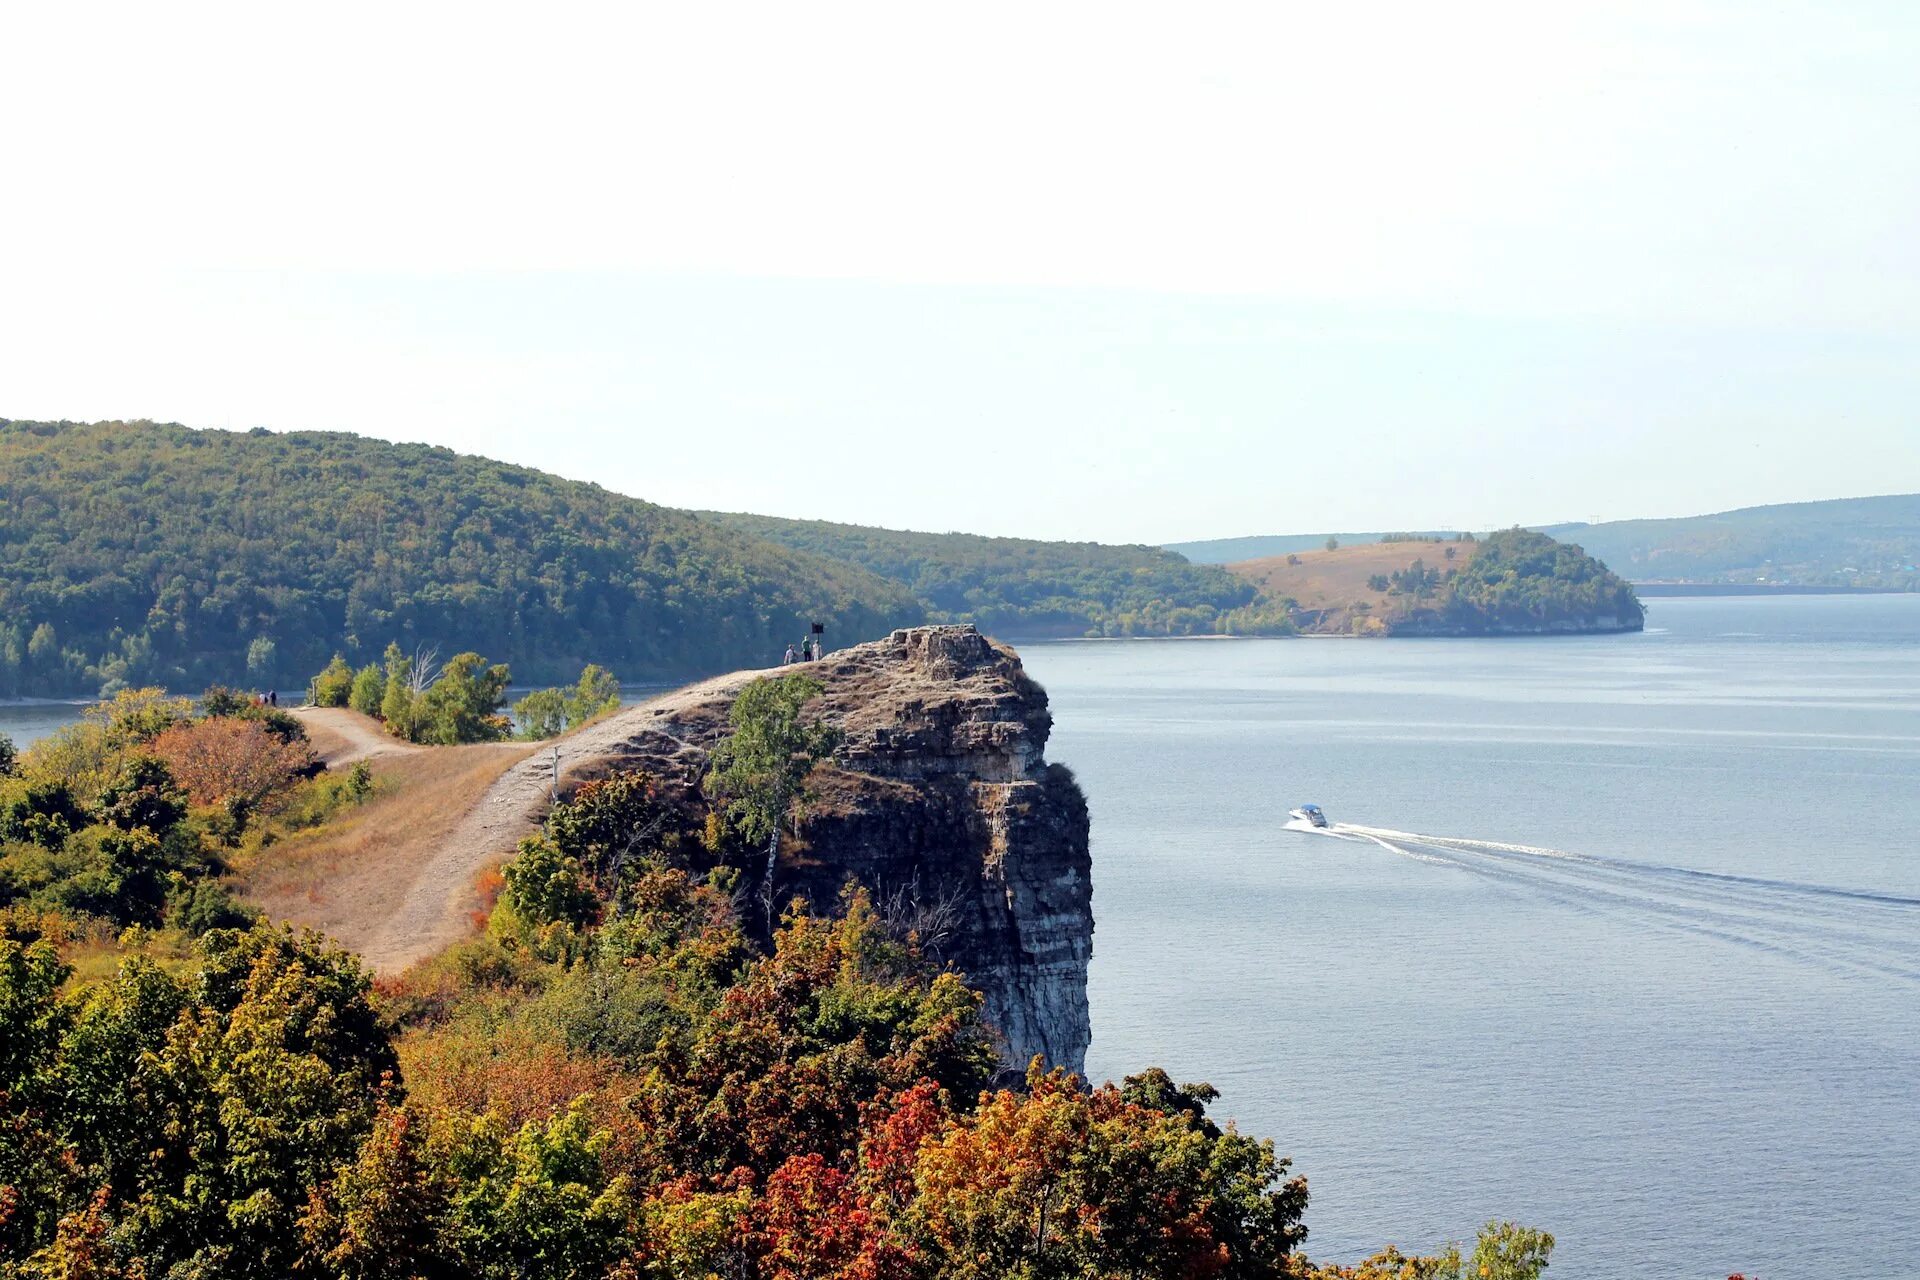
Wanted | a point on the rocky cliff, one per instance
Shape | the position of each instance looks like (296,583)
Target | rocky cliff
(940,800)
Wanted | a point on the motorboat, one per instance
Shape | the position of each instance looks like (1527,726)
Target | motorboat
(1309,814)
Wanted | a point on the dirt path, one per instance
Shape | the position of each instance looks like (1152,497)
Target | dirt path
(340,736)
(416,906)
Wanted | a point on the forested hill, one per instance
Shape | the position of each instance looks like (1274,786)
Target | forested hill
(1513,582)
(136,552)
(1866,542)
(1021,588)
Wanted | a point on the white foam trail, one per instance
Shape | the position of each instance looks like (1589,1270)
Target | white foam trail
(1538,851)
(1391,847)
(1851,928)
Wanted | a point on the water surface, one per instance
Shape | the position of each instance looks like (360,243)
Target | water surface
(1632,953)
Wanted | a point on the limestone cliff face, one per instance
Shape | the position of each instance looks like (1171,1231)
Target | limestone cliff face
(940,800)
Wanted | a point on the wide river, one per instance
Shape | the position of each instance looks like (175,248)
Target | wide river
(1628,947)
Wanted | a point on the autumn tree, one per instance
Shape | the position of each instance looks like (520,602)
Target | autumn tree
(224,759)
(1129,1181)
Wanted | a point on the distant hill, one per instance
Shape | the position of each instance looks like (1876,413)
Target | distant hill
(1515,581)
(1857,542)
(137,552)
(1844,542)
(1020,588)
(1260,547)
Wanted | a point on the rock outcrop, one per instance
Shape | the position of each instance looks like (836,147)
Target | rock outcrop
(940,800)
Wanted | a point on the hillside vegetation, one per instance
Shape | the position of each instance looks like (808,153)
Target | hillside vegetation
(616,1079)
(1866,542)
(1511,581)
(136,553)
(1021,588)
(1856,542)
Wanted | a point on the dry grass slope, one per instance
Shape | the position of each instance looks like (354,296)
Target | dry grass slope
(346,878)
(1331,586)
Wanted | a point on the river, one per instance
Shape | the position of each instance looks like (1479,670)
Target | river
(1629,948)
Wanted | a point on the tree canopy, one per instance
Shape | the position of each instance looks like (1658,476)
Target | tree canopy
(1519,577)
(142,553)
(1019,588)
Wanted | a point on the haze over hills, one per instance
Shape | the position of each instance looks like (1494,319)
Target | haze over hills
(1841,542)
(138,553)
(1866,542)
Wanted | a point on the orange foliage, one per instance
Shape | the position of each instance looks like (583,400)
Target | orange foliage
(223,758)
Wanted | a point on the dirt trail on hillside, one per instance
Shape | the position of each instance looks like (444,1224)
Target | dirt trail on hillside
(426,902)
(340,736)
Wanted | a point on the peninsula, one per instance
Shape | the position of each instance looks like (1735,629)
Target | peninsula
(1514,582)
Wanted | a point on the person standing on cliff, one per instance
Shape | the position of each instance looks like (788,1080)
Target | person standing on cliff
(788,660)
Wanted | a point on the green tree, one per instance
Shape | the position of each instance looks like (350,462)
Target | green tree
(333,686)
(596,692)
(1332,543)
(542,714)
(369,690)
(757,773)
(9,757)
(262,659)
(464,703)
(544,886)
(396,703)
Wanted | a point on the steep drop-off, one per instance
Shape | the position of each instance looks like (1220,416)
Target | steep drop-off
(941,801)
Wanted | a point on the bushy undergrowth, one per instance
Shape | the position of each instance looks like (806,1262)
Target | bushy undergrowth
(611,1080)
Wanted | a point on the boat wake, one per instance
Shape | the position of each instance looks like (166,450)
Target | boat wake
(1848,930)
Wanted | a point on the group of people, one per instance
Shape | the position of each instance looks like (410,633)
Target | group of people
(271,698)
(808,650)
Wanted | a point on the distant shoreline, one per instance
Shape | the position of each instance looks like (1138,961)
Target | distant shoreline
(1672,589)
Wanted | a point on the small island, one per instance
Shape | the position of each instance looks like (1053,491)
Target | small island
(1514,582)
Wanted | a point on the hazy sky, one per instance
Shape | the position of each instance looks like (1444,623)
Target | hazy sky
(1076,271)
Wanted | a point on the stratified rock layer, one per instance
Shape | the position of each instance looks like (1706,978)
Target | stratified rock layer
(940,800)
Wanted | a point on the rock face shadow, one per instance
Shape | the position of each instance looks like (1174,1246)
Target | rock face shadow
(940,801)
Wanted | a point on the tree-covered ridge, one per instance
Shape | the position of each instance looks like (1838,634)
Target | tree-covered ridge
(1519,579)
(1867,542)
(1019,587)
(136,552)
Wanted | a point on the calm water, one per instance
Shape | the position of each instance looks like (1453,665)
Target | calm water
(1657,991)
(27,722)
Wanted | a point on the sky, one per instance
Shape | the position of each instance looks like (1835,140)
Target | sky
(1128,273)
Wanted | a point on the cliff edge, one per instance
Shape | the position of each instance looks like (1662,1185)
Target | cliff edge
(939,799)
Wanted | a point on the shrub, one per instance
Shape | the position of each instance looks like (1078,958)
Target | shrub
(9,757)
(541,714)
(223,758)
(464,703)
(369,690)
(203,906)
(596,693)
(333,686)
(544,886)
(396,704)
(547,712)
